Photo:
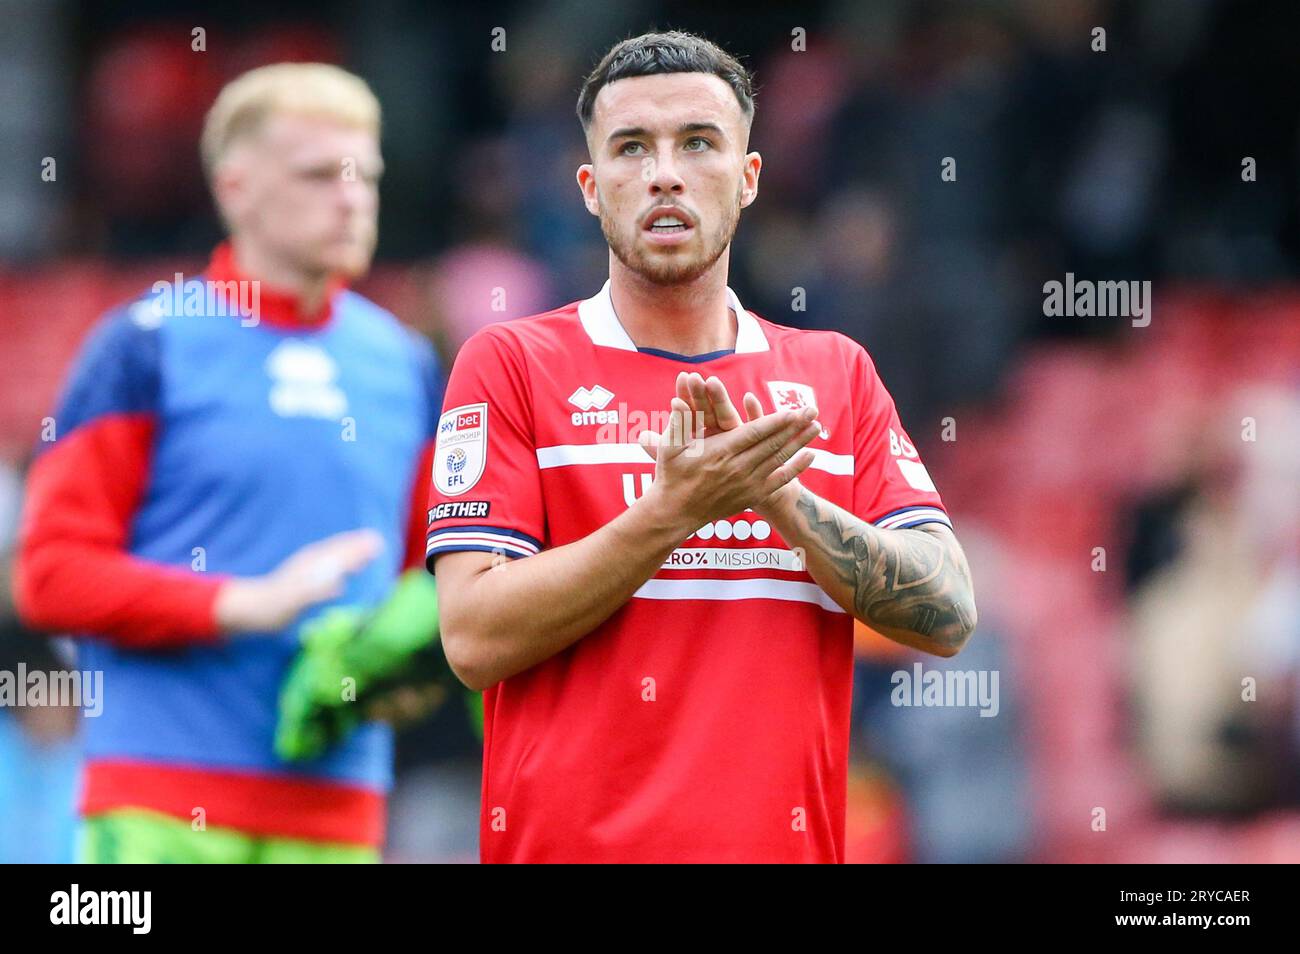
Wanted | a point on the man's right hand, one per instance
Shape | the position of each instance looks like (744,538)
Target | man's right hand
(313,574)
(720,474)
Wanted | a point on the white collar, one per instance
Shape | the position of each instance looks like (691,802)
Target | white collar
(603,327)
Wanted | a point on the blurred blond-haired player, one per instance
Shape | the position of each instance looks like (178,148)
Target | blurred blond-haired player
(236,453)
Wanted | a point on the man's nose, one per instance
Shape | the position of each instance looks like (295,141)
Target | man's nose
(662,175)
(354,193)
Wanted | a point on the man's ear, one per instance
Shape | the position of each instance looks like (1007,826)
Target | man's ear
(587,183)
(229,190)
(749,179)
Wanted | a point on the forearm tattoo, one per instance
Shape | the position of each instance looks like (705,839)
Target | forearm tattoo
(905,579)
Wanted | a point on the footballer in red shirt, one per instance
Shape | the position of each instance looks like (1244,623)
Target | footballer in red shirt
(655,586)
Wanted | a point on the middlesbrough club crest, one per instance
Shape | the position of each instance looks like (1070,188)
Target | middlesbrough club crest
(787,395)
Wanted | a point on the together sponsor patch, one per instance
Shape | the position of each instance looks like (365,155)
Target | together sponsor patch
(459,508)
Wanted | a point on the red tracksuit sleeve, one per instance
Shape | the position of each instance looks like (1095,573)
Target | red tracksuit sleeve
(415,541)
(74,573)
(430,371)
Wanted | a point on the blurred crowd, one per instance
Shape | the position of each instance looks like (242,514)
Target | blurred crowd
(1117,156)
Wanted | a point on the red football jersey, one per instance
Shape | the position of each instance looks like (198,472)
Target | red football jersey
(707,720)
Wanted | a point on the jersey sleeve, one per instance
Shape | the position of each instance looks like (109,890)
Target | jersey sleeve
(486,490)
(891,487)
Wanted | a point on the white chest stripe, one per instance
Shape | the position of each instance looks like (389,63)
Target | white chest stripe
(841,465)
(792,591)
(567,455)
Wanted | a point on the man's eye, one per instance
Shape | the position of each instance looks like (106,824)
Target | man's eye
(629,146)
(698,144)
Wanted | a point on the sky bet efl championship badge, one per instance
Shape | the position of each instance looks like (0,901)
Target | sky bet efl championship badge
(787,395)
(461,449)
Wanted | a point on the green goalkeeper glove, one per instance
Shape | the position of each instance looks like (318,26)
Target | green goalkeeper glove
(354,663)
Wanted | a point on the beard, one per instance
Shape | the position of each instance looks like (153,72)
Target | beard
(680,266)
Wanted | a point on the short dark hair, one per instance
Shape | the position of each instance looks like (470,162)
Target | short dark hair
(669,52)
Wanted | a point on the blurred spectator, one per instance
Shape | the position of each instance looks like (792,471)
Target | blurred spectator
(1223,613)
(38,752)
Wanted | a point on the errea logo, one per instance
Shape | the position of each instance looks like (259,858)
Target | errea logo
(586,399)
(596,397)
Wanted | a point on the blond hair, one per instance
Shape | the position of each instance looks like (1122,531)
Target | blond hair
(304,89)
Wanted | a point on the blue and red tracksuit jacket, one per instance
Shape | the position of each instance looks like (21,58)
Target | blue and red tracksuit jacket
(190,448)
